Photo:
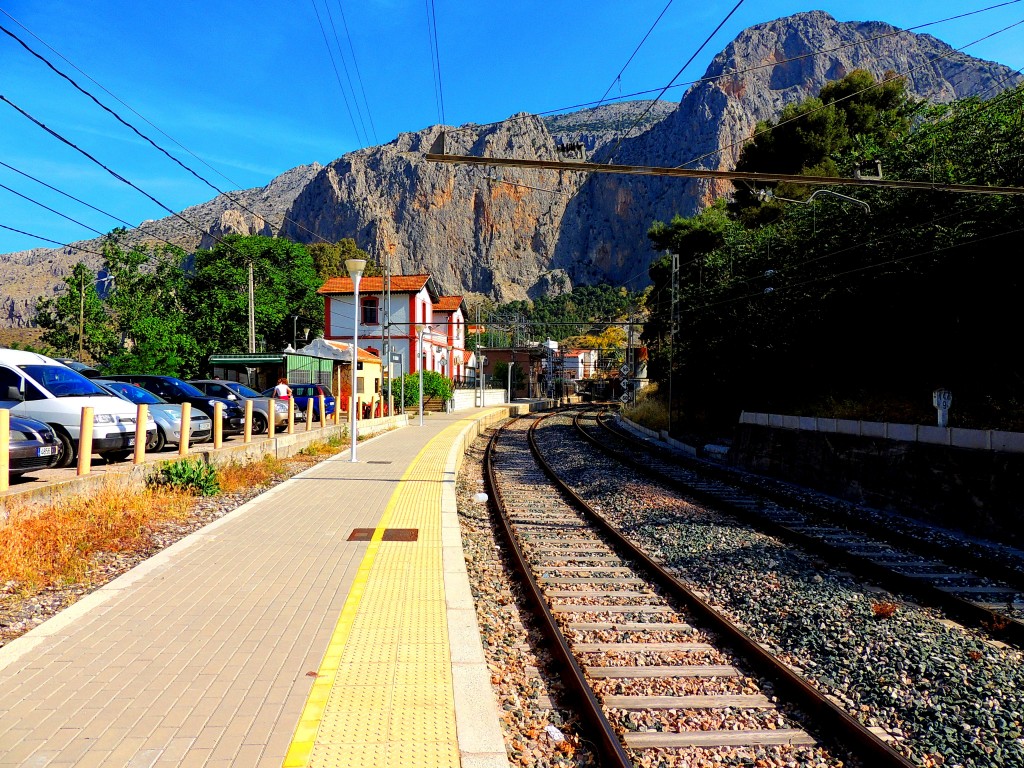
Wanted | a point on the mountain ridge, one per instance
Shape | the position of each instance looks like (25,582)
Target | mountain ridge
(520,233)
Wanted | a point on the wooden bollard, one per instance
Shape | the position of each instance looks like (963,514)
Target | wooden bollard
(291,415)
(247,436)
(141,417)
(5,449)
(322,402)
(309,414)
(218,425)
(272,410)
(85,441)
(186,428)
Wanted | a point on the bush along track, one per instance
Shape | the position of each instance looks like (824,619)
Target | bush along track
(946,695)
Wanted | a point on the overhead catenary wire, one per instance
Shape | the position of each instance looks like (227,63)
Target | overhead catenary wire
(674,78)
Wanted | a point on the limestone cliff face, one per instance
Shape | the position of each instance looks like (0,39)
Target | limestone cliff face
(515,233)
(476,230)
(762,70)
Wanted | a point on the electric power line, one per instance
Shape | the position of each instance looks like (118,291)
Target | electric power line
(734,73)
(344,65)
(48,240)
(359,77)
(878,84)
(435,58)
(633,55)
(138,133)
(109,170)
(337,75)
(681,70)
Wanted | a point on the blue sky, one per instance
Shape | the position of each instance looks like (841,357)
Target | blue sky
(249,87)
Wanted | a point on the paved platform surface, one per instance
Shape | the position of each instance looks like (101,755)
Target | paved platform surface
(269,638)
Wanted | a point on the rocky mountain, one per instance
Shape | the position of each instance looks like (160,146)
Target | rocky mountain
(513,233)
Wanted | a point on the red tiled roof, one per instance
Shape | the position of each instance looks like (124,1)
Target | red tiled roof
(364,355)
(447,303)
(399,284)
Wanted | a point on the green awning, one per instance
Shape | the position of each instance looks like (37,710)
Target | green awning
(253,359)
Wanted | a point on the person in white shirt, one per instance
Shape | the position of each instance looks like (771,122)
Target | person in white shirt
(282,391)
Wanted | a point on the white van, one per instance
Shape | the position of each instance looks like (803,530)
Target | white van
(40,388)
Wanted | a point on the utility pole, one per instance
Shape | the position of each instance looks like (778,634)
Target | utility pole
(81,320)
(673,329)
(252,312)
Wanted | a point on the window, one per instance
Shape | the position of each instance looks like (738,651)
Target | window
(371,310)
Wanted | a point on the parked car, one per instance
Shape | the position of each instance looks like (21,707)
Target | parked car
(174,390)
(38,387)
(166,415)
(34,446)
(303,392)
(233,390)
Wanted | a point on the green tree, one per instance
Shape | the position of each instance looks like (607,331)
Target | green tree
(77,307)
(146,300)
(329,258)
(850,122)
(217,299)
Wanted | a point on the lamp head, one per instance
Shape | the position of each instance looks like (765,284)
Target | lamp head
(355,267)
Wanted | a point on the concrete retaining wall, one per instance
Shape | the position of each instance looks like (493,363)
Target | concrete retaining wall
(955,480)
(976,439)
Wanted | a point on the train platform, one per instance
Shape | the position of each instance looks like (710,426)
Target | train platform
(327,622)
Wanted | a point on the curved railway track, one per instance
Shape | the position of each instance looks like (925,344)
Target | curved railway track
(975,598)
(645,655)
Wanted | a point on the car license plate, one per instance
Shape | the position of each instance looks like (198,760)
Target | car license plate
(46,450)
(204,425)
(131,441)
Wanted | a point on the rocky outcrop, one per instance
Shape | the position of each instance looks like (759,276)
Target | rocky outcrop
(515,233)
(763,69)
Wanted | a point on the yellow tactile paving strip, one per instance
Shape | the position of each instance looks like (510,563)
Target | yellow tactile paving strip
(383,697)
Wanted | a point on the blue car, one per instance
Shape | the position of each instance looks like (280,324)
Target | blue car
(177,391)
(302,393)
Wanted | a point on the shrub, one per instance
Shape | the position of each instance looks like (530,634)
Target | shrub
(191,475)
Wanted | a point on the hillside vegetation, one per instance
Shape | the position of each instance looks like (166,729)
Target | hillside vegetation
(822,307)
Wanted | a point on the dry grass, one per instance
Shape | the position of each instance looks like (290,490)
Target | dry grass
(52,545)
(236,477)
(649,410)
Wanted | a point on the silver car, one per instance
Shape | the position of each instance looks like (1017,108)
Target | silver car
(233,390)
(166,415)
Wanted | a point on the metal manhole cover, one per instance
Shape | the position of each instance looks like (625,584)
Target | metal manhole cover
(401,534)
(390,534)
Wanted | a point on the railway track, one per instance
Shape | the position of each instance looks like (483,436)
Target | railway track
(975,599)
(653,666)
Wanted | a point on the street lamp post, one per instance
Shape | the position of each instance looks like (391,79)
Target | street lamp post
(355,269)
(295,331)
(419,364)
